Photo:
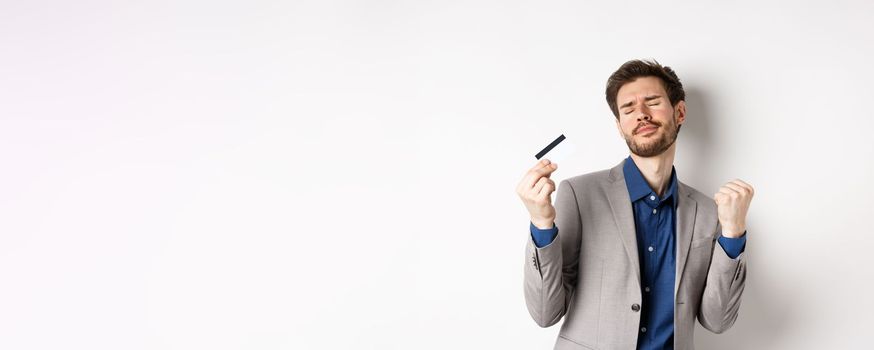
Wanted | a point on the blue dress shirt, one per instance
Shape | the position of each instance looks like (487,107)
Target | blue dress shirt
(655,227)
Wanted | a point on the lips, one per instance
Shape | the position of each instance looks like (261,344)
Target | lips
(647,128)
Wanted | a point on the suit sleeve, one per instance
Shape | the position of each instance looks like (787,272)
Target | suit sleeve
(723,289)
(551,270)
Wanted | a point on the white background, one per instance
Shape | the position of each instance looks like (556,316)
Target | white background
(338,175)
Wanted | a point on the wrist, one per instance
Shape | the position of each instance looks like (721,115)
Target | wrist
(543,224)
(729,232)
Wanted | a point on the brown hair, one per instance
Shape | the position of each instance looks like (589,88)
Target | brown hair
(631,70)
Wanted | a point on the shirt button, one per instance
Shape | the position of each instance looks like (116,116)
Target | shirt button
(650,248)
(635,307)
(654,211)
(652,198)
(646,289)
(643,329)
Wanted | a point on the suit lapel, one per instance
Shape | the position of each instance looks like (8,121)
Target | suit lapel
(687,208)
(623,215)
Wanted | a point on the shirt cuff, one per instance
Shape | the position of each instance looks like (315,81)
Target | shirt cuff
(733,246)
(543,237)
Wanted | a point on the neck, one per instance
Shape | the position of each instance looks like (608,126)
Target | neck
(656,170)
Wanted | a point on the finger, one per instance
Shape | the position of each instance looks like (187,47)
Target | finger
(541,163)
(728,191)
(738,188)
(550,182)
(535,175)
(746,185)
(539,185)
(546,190)
(528,180)
(547,170)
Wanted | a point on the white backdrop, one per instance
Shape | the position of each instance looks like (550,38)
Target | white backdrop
(338,175)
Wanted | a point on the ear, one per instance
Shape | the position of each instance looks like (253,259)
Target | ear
(680,112)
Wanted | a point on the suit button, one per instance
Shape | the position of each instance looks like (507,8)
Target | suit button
(635,307)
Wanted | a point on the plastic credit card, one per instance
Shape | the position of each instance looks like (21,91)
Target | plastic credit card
(558,150)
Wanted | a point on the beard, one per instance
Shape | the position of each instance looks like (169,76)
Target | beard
(649,147)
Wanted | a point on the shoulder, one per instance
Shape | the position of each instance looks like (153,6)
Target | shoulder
(588,180)
(705,202)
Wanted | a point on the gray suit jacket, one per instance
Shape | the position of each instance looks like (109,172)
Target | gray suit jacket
(590,272)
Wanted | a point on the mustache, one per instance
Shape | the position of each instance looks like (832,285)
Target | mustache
(645,125)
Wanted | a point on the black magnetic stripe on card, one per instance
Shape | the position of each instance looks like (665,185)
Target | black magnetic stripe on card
(550,147)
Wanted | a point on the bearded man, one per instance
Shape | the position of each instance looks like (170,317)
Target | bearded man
(631,256)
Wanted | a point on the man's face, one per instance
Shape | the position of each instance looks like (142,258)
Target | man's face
(647,121)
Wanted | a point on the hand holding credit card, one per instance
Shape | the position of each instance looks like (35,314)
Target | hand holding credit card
(536,187)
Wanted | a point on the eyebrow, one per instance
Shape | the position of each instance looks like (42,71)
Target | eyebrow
(650,97)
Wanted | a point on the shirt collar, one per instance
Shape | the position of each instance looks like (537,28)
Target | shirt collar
(637,185)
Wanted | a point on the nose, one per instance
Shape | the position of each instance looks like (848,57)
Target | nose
(644,113)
